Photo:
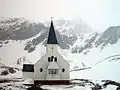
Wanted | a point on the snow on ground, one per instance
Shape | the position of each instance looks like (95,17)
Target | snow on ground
(18,74)
(104,70)
(10,52)
(65,87)
(17,85)
(36,55)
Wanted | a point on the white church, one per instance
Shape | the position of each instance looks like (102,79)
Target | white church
(52,68)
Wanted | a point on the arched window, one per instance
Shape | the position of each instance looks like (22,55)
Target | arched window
(49,59)
(55,59)
(52,58)
(41,69)
(63,70)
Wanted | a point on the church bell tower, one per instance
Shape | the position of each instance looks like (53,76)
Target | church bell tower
(52,39)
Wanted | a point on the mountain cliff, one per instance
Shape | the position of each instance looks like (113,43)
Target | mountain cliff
(27,36)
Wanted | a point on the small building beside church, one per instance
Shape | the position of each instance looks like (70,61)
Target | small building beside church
(52,68)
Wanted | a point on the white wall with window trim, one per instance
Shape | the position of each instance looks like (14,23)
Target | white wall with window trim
(53,71)
(44,63)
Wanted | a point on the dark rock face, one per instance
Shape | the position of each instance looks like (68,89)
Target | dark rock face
(63,41)
(109,36)
(19,29)
(5,72)
(11,70)
(88,44)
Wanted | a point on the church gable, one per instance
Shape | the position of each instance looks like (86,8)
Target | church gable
(51,63)
(50,56)
(52,68)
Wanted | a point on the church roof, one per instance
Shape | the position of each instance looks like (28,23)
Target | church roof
(52,36)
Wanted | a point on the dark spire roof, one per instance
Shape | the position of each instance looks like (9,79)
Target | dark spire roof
(52,37)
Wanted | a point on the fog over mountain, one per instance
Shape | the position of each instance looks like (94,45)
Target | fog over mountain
(75,34)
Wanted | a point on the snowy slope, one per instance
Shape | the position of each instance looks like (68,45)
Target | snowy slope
(91,56)
(10,52)
(14,51)
(101,66)
(103,70)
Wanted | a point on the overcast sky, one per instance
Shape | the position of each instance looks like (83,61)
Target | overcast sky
(99,14)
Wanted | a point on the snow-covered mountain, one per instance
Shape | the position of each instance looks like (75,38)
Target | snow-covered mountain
(31,34)
(89,53)
(102,40)
(19,31)
(71,27)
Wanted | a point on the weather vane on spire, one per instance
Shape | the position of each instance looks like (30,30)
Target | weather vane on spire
(51,18)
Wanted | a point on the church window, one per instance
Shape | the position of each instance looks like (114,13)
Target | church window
(53,71)
(48,59)
(55,59)
(63,70)
(41,69)
(52,58)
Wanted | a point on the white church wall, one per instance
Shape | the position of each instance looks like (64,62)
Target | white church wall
(53,77)
(63,64)
(43,63)
(53,72)
(27,75)
(50,46)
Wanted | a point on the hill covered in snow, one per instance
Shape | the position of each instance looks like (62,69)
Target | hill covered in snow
(91,55)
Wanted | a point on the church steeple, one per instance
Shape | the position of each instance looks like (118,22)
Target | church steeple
(52,36)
